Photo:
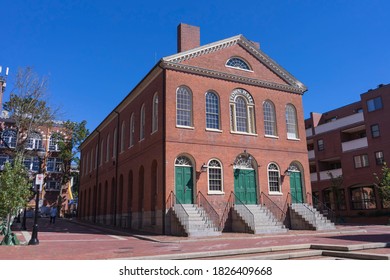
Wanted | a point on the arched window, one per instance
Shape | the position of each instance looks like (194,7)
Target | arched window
(155,113)
(34,141)
(184,107)
(142,123)
(239,63)
(123,129)
(269,118)
(212,111)
(9,139)
(215,176)
(102,152)
(108,148)
(291,122)
(132,130)
(96,156)
(242,112)
(273,178)
(114,144)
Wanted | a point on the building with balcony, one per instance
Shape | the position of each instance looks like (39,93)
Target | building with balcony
(346,146)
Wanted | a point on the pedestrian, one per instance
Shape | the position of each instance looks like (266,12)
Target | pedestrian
(53,214)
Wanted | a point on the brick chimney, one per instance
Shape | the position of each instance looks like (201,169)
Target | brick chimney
(188,37)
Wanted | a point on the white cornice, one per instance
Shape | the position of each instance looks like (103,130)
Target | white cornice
(231,77)
(250,47)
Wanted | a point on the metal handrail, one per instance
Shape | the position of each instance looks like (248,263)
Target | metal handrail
(312,214)
(174,203)
(246,214)
(277,212)
(210,213)
(225,215)
(322,208)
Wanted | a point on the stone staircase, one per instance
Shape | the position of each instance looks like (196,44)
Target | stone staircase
(264,221)
(197,223)
(304,216)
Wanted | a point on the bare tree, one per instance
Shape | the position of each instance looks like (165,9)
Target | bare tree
(27,105)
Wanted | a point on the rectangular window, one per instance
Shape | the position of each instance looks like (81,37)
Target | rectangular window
(379,158)
(54,165)
(374,104)
(375,132)
(53,186)
(320,145)
(273,181)
(361,161)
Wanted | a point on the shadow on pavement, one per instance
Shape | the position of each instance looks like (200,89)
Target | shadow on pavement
(385,238)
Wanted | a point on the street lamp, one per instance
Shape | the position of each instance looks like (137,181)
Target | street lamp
(34,236)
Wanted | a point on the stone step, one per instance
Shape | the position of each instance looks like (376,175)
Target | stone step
(198,224)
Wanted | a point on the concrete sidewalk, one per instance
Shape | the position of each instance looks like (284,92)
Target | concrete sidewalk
(75,240)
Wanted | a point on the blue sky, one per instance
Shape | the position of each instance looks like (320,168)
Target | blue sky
(95,52)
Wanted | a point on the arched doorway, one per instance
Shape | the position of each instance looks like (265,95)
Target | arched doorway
(184,182)
(245,186)
(296,188)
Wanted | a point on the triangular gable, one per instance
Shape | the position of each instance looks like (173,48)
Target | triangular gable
(181,61)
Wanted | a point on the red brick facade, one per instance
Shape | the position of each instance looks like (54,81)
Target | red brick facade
(131,186)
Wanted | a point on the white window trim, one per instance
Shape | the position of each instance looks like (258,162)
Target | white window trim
(279,180)
(213,192)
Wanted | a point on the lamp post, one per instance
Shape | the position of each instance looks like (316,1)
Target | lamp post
(34,236)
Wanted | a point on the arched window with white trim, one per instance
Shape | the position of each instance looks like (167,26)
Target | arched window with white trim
(273,178)
(142,123)
(239,63)
(215,176)
(242,112)
(115,143)
(269,118)
(123,132)
(108,148)
(212,111)
(132,130)
(184,107)
(102,152)
(155,113)
(291,122)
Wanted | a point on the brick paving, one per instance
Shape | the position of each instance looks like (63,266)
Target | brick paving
(70,240)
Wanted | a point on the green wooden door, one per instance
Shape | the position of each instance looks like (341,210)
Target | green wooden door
(296,187)
(184,184)
(245,185)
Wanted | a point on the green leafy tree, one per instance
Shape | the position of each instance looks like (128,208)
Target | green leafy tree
(14,192)
(383,184)
(69,142)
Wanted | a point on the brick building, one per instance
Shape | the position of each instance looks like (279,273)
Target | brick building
(204,123)
(352,143)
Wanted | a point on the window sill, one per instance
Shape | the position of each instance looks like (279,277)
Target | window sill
(185,127)
(215,193)
(213,130)
(294,139)
(244,133)
(271,136)
(275,193)
(238,68)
